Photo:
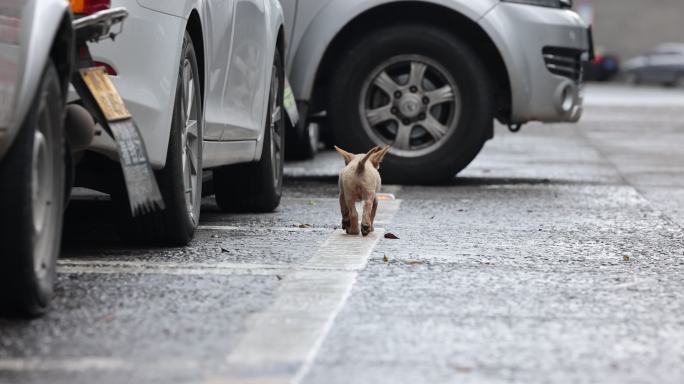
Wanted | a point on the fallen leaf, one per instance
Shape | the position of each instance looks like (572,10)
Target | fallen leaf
(303,226)
(462,369)
(279,277)
(625,257)
(385,258)
(225,250)
(413,262)
(390,235)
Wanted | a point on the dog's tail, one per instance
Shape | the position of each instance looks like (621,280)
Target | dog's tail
(362,164)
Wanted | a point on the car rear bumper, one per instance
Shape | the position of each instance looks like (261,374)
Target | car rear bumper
(542,50)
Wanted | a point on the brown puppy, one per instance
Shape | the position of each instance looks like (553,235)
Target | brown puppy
(360,181)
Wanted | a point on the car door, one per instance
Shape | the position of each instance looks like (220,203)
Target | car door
(249,70)
(219,19)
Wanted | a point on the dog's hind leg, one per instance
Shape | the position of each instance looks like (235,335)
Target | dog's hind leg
(373,212)
(345,211)
(353,217)
(368,211)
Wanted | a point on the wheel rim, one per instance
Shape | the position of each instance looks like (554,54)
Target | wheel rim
(276,127)
(412,103)
(44,191)
(190,142)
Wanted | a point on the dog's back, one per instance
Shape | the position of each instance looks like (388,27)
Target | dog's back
(360,179)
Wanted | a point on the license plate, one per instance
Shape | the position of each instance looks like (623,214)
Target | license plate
(105,94)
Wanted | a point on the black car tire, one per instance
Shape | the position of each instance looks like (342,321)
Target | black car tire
(472,129)
(302,141)
(258,186)
(30,241)
(175,225)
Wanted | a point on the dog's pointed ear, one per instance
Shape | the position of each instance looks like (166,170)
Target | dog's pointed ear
(346,155)
(377,157)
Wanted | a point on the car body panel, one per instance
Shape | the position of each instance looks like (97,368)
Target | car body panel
(239,40)
(175,8)
(318,22)
(519,31)
(148,86)
(248,72)
(25,43)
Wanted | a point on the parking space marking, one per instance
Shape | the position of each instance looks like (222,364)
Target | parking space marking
(282,342)
(298,228)
(70,365)
(107,267)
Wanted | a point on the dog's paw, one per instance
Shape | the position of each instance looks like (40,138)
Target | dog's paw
(366,229)
(346,223)
(351,231)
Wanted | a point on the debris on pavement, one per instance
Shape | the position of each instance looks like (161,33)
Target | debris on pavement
(390,235)
(412,262)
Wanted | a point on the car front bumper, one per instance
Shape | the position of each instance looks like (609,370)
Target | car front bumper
(542,49)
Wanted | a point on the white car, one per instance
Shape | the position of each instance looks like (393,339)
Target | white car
(204,82)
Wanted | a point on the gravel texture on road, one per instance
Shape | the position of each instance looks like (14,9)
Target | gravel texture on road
(556,257)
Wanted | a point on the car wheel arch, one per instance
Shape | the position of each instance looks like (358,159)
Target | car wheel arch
(280,46)
(194,29)
(457,22)
(63,51)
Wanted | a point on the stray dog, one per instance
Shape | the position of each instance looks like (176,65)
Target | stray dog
(360,181)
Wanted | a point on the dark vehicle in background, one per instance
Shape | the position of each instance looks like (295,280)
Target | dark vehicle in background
(664,65)
(601,68)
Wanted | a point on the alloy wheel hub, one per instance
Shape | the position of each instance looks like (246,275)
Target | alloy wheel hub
(410,106)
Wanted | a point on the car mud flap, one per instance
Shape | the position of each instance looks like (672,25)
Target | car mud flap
(100,97)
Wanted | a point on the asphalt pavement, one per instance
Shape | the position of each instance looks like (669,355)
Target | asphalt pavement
(556,257)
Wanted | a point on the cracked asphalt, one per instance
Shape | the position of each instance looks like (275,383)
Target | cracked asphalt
(556,257)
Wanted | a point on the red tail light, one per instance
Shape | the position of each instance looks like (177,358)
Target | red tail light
(110,70)
(87,7)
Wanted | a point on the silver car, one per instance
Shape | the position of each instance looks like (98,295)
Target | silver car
(664,65)
(36,46)
(428,77)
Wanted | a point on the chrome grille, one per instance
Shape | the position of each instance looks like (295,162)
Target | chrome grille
(564,62)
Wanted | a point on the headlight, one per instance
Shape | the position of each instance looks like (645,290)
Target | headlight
(545,3)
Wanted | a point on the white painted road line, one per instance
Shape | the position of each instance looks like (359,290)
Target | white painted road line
(106,267)
(70,365)
(282,342)
(303,228)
